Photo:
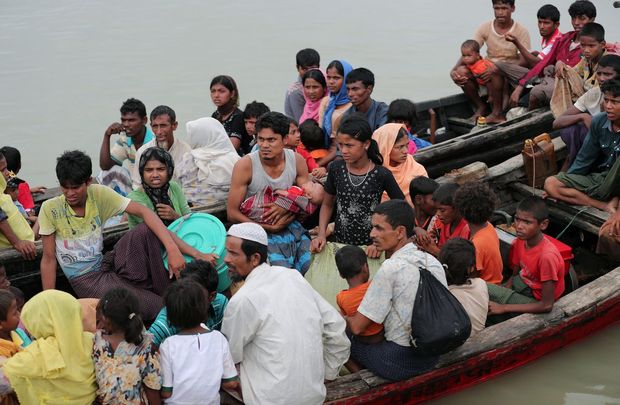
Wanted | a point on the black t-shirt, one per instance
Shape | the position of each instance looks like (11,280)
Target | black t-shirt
(235,128)
(356,198)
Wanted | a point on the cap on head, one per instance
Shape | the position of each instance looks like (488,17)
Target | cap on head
(249,231)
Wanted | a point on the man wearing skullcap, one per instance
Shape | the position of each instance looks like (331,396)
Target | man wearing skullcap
(286,337)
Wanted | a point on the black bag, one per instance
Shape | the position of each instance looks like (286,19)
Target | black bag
(439,322)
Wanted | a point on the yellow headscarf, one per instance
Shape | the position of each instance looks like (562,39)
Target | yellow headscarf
(406,171)
(56,368)
(17,222)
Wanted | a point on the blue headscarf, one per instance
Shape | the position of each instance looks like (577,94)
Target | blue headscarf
(334,101)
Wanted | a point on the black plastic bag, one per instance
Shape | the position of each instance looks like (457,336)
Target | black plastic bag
(439,323)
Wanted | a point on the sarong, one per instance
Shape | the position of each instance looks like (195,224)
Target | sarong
(290,248)
(573,137)
(136,264)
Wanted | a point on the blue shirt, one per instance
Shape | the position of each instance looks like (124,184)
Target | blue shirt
(600,148)
(376,114)
(161,328)
(419,143)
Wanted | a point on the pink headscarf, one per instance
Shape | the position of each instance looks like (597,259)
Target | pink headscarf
(311,108)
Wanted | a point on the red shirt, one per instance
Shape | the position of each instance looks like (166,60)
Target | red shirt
(460,231)
(541,263)
(310,162)
(24,196)
(561,50)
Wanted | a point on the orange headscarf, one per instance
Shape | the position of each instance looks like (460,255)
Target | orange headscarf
(406,171)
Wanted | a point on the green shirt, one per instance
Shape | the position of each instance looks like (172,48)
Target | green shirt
(179,202)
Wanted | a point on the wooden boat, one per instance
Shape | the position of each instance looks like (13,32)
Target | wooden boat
(458,146)
(511,344)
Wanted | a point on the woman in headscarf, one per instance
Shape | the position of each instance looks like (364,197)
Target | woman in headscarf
(315,88)
(393,145)
(206,171)
(158,192)
(334,105)
(57,367)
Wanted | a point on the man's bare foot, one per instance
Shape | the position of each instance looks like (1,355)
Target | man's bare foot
(480,112)
(495,119)
(612,205)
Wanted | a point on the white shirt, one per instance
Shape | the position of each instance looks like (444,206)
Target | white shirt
(287,338)
(474,297)
(390,297)
(590,101)
(177,151)
(194,367)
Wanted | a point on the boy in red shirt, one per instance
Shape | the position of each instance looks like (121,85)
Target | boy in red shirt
(537,265)
(476,202)
(450,223)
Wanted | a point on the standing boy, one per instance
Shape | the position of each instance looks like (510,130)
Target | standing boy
(360,84)
(476,202)
(537,266)
(294,101)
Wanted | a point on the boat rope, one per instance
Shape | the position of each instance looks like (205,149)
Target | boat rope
(570,222)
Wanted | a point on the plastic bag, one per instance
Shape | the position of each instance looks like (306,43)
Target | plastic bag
(439,323)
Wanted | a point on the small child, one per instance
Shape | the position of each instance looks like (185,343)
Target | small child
(402,111)
(206,275)
(353,266)
(470,54)
(458,257)
(313,139)
(9,319)
(421,191)
(126,369)
(12,189)
(14,164)
(293,141)
(251,113)
(450,224)
(196,362)
(476,202)
(302,200)
(537,266)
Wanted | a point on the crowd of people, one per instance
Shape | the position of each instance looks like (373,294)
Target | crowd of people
(336,166)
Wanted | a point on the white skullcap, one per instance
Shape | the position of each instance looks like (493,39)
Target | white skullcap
(249,231)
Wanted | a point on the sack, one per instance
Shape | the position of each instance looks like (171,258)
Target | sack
(439,323)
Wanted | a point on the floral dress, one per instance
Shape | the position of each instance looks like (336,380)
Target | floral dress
(121,373)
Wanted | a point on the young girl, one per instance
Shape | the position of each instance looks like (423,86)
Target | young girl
(354,186)
(394,144)
(315,89)
(9,319)
(458,257)
(334,105)
(57,367)
(225,96)
(127,370)
(195,362)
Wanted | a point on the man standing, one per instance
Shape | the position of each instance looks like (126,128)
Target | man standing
(294,101)
(275,166)
(389,299)
(286,337)
(163,123)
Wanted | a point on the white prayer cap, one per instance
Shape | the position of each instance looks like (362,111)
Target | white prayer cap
(249,231)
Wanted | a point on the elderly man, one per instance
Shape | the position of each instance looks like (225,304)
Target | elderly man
(288,339)
(163,123)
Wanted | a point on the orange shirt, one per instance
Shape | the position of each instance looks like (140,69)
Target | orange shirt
(319,153)
(488,257)
(479,68)
(349,300)
(460,231)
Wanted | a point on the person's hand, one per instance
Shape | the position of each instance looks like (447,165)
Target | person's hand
(26,248)
(508,284)
(372,252)
(422,236)
(176,263)
(429,246)
(319,172)
(560,69)
(207,257)
(282,223)
(586,119)
(613,222)
(274,213)
(166,212)
(38,190)
(114,128)
(511,38)
(458,79)
(486,75)
(515,96)
(496,309)
(318,244)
